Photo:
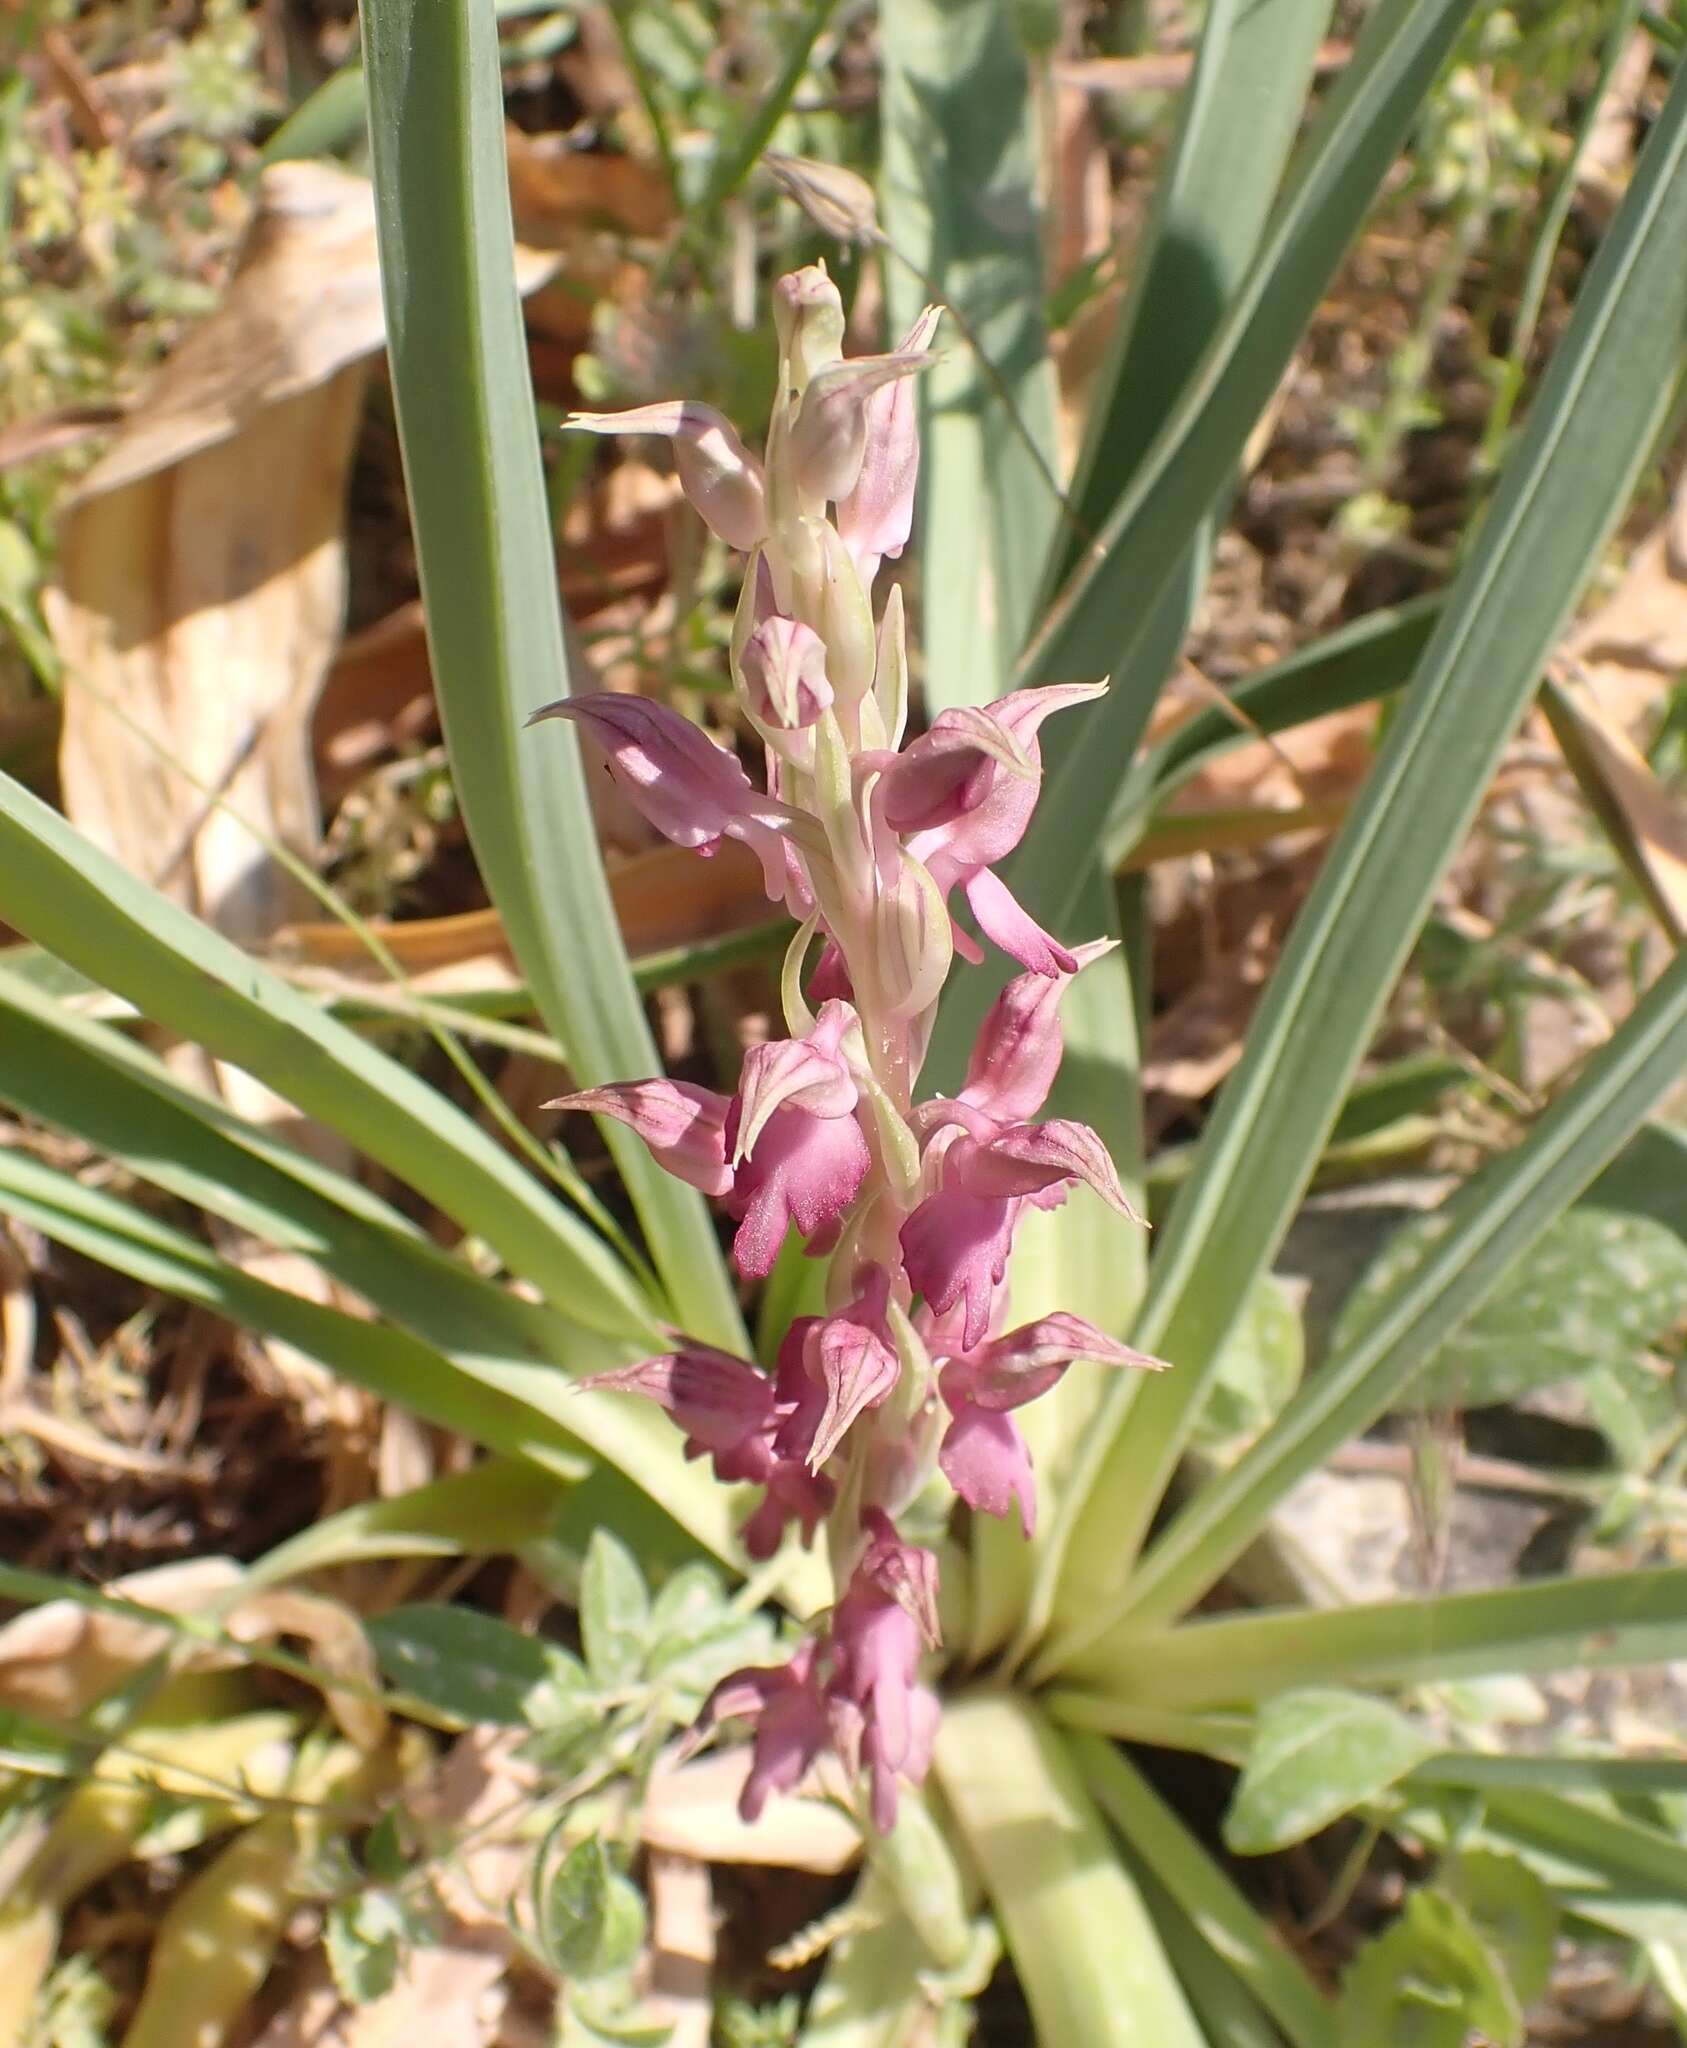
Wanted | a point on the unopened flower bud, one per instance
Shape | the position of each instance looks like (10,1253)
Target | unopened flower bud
(783,671)
(877,516)
(821,585)
(810,318)
(829,436)
(721,477)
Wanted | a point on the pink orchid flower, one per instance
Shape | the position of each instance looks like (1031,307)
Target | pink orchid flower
(911,1369)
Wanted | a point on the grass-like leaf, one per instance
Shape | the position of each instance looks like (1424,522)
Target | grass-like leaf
(1237,1933)
(1243,105)
(1589,431)
(489,578)
(962,212)
(1121,613)
(1622,1856)
(1498,1216)
(1085,1950)
(60,890)
(92,1081)
(1603,1619)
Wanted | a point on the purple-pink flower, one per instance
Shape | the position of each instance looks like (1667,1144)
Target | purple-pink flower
(911,1371)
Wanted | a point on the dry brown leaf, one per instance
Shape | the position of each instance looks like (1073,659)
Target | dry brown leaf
(692,1811)
(556,187)
(201,594)
(56,1660)
(201,609)
(1631,650)
(202,571)
(378,697)
(1165,72)
(448,1996)
(17,1317)
(450,1993)
(666,897)
(1646,823)
(51,433)
(337,1647)
(1194,1043)
(682,1946)
(1608,155)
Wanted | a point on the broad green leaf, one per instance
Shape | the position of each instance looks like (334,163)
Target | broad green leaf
(1499,1214)
(591,1920)
(1595,1291)
(1317,1755)
(574,1908)
(614,1611)
(466,1664)
(1511,1909)
(697,1634)
(1611,1618)
(1426,1982)
(691,1600)
(484,549)
(1259,1367)
(363,1939)
(868,1995)
(1648,1177)
(1083,1946)
(59,889)
(1589,431)
(1234,1931)
(962,208)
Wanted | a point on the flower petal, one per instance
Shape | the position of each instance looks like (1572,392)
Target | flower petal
(985,1459)
(721,477)
(684,1125)
(1005,920)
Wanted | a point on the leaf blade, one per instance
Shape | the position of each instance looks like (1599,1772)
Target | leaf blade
(1587,436)
(489,579)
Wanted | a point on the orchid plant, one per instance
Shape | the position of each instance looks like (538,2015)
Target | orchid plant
(865,840)
(1086,1639)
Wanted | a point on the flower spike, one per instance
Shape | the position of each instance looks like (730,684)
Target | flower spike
(914,1368)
